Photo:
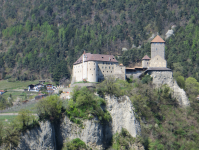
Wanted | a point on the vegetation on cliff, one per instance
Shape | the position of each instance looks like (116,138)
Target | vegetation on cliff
(85,105)
(75,144)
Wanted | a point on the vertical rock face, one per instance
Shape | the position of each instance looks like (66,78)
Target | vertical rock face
(40,138)
(122,112)
(93,133)
(166,77)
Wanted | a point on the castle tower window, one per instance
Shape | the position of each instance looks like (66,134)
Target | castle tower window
(107,71)
(90,68)
(111,71)
(112,67)
(109,67)
(94,63)
(94,68)
(103,71)
(92,74)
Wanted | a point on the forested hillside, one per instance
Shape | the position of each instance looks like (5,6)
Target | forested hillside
(43,38)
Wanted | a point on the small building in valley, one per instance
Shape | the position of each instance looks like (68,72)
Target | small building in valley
(2,92)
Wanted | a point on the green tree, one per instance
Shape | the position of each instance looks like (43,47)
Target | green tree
(49,108)
(181,82)
(25,118)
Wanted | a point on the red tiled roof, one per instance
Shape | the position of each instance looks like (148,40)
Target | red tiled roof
(96,57)
(157,39)
(146,58)
(2,91)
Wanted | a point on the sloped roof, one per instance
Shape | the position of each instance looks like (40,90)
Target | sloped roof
(157,39)
(96,57)
(158,69)
(146,58)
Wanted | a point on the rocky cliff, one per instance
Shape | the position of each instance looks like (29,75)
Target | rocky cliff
(166,77)
(40,138)
(93,133)
(122,112)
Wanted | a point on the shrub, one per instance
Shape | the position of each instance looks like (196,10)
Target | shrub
(75,144)
(84,104)
(25,118)
(113,87)
(49,108)
(181,82)
(146,79)
(122,140)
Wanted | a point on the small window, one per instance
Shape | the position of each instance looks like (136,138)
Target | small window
(112,67)
(90,68)
(109,67)
(157,58)
(92,74)
(102,67)
(156,49)
(102,57)
(94,68)
(107,71)
(103,71)
(94,63)
(121,68)
(147,63)
(111,71)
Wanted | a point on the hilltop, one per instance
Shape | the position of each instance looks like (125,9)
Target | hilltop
(42,39)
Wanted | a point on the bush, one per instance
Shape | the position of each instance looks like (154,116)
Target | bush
(84,104)
(113,87)
(75,144)
(181,82)
(122,140)
(146,79)
(25,118)
(49,108)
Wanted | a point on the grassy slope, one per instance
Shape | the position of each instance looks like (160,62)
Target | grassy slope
(4,84)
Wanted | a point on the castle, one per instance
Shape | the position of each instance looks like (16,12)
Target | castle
(95,67)
(157,54)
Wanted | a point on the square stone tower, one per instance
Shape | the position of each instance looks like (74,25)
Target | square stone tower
(145,61)
(158,47)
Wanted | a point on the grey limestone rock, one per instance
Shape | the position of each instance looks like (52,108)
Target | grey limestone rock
(40,138)
(169,33)
(91,133)
(166,77)
(122,113)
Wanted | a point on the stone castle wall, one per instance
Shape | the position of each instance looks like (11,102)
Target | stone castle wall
(145,63)
(166,77)
(158,49)
(95,71)
(158,61)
